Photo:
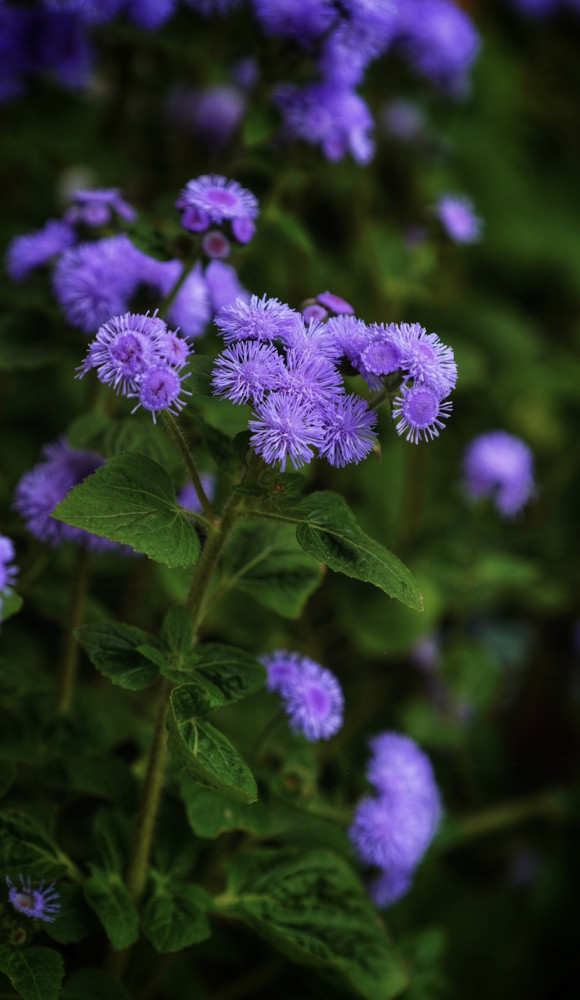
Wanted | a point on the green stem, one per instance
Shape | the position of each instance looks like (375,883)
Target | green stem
(209,559)
(79,586)
(548,805)
(178,439)
(172,294)
(150,799)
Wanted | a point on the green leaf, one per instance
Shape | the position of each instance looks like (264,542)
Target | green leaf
(35,973)
(218,444)
(131,500)
(114,650)
(233,672)
(10,604)
(207,755)
(312,907)
(210,814)
(92,984)
(26,848)
(173,915)
(107,895)
(177,630)
(330,534)
(263,559)
(75,920)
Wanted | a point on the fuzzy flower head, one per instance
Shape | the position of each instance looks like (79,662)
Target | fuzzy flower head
(326,115)
(457,216)
(440,41)
(390,886)
(302,20)
(99,207)
(424,358)
(95,281)
(398,767)
(348,434)
(40,903)
(213,198)
(8,571)
(392,833)
(46,484)
(245,370)
(127,346)
(285,428)
(420,413)
(259,319)
(223,286)
(311,694)
(32,250)
(501,466)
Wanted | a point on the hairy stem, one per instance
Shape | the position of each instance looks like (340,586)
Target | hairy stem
(209,559)
(79,586)
(178,439)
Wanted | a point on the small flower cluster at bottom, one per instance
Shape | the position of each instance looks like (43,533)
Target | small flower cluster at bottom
(142,359)
(394,829)
(8,571)
(41,903)
(311,694)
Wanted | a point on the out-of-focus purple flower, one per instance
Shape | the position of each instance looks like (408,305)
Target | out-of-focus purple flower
(40,903)
(243,229)
(245,370)
(399,767)
(212,114)
(219,198)
(187,496)
(335,303)
(46,484)
(259,319)
(403,120)
(8,571)
(223,285)
(216,245)
(150,14)
(457,216)
(348,431)
(302,20)
(95,281)
(499,465)
(190,310)
(390,886)
(63,48)
(440,41)
(90,11)
(285,428)
(313,312)
(420,413)
(364,31)
(32,250)
(16,24)
(329,116)
(311,694)
(99,207)
(211,7)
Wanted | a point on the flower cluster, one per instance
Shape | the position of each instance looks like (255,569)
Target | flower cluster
(213,198)
(499,465)
(142,359)
(99,207)
(393,829)
(289,370)
(44,486)
(311,694)
(8,571)
(40,903)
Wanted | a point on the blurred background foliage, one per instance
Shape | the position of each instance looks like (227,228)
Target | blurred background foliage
(487,679)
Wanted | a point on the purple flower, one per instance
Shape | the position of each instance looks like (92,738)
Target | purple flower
(390,886)
(150,14)
(243,229)
(223,285)
(283,668)
(91,11)
(382,355)
(364,31)
(188,498)
(285,428)
(32,250)
(335,303)
(212,114)
(63,48)
(95,281)
(311,377)
(41,903)
(399,767)
(260,319)
(219,198)
(350,335)
(500,465)
(348,430)
(98,208)
(190,310)
(314,702)
(458,218)
(8,571)
(314,313)
(420,412)
(126,347)
(329,116)
(44,486)
(311,694)
(16,24)
(425,358)
(209,7)
(215,244)
(302,20)
(160,389)
(244,371)
(439,40)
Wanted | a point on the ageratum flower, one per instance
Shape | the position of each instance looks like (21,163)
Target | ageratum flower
(302,20)
(91,11)
(390,886)
(311,694)
(217,199)
(8,572)
(215,244)
(399,767)
(347,431)
(150,14)
(326,115)
(424,358)
(40,903)
(223,286)
(95,281)
(32,250)
(364,31)
(62,47)
(244,371)
(46,484)
(259,319)
(99,207)
(420,412)
(209,7)
(439,40)
(190,309)
(285,428)
(457,216)
(499,465)
(335,303)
